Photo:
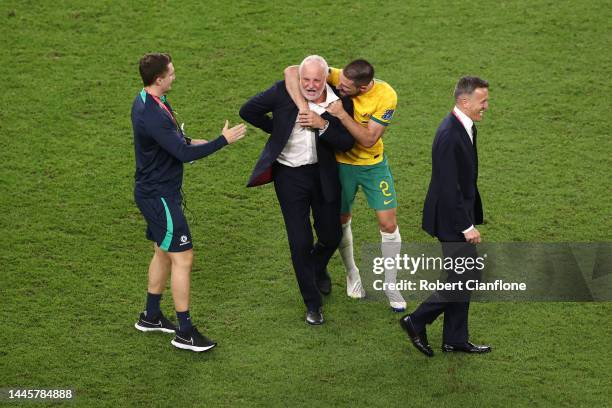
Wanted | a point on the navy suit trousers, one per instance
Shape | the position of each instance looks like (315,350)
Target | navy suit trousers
(454,304)
(299,193)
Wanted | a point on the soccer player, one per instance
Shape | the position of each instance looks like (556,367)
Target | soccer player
(365,165)
(161,148)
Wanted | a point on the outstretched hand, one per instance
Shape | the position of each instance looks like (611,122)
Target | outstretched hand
(235,133)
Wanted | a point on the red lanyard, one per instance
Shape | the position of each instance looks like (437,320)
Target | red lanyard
(164,107)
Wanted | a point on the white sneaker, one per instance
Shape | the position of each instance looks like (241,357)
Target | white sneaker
(398,307)
(396,300)
(354,289)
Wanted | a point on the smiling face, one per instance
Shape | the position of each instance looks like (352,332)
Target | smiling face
(312,81)
(346,87)
(475,104)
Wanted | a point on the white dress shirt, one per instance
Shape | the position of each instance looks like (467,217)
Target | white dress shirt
(301,148)
(467,124)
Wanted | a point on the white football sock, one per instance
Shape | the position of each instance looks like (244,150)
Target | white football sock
(391,246)
(346,250)
(353,280)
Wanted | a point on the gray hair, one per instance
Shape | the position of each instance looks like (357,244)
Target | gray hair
(318,59)
(468,84)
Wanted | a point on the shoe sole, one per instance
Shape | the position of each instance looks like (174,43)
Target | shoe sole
(152,329)
(315,323)
(356,295)
(190,347)
(467,352)
(398,307)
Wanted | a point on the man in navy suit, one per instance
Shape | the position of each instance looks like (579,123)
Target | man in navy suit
(300,158)
(452,209)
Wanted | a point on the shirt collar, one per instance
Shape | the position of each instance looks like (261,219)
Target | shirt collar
(465,120)
(143,95)
(330,97)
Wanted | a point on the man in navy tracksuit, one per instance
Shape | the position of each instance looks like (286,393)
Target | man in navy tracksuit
(161,148)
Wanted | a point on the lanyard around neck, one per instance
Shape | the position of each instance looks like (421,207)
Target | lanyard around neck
(164,107)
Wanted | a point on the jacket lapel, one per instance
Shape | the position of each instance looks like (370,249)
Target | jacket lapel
(465,137)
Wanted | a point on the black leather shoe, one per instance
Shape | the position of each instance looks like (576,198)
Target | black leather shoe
(324,283)
(423,336)
(314,317)
(465,348)
(418,342)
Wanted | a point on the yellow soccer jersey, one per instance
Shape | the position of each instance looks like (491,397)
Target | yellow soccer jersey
(377,104)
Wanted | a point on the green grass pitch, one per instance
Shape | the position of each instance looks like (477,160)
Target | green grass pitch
(74,259)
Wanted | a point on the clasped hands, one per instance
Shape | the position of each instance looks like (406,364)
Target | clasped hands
(309,118)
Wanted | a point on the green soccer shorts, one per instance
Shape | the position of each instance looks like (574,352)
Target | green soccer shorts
(376,182)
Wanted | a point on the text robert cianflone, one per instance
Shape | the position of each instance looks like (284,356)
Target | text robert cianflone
(412,263)
(472,284)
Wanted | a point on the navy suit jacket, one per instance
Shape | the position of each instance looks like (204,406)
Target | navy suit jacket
(276,100)
(453,201)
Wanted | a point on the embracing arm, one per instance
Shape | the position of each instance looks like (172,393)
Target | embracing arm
(331,131)
(292,83)
(337,136)
(365,136)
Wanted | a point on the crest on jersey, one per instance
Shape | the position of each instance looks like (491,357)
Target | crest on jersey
(388,114)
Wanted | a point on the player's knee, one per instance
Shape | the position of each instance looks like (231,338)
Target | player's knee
(344,218)
(182,259)
(162,258)
(388,226)
(166,263)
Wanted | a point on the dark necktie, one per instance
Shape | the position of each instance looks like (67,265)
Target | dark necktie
(474,133)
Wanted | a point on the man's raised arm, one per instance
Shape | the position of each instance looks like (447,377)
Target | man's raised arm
(174,143)
(292,83)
